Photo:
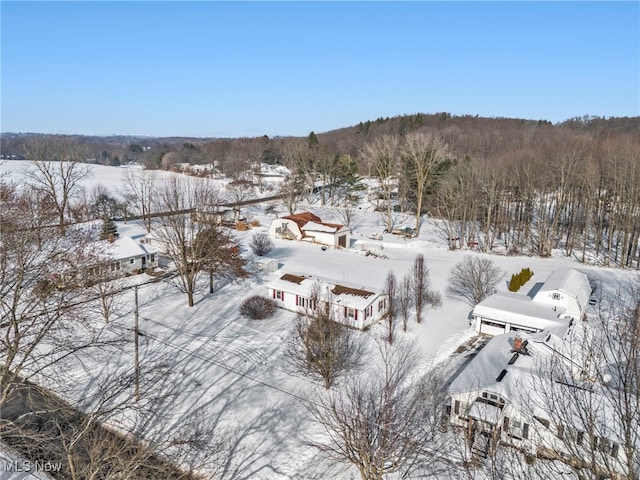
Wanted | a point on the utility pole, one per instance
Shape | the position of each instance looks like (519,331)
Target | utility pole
(135,334)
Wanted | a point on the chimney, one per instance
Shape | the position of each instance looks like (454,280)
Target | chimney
(517,344)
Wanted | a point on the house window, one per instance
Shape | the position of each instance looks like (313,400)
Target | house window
(382,304)
(556,296)
(614,449)
(579,438)
(351,313)
(153,257)
(279,294)
(525,430)
(368,312)
(131,260)
(456,407)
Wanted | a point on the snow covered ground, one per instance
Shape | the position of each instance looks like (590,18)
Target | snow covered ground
(234,371)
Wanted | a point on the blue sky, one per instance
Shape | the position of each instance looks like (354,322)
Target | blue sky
(230,69)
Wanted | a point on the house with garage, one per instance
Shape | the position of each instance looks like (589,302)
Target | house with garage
(309,227)
(561,299)
(350,304)
(502,398)
(505,312)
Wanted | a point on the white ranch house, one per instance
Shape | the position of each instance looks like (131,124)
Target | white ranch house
(115,257)
(495,400)
(309,227)
(127,255)
(562,298)
(353,305)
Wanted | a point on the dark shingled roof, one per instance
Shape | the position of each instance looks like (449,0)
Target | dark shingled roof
(292,278)
(342,290)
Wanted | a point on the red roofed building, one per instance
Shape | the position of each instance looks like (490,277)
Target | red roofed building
(309,227)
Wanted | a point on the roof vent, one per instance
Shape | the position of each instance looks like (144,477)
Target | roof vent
(514,358)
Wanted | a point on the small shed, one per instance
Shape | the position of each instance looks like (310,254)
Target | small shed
(266,264)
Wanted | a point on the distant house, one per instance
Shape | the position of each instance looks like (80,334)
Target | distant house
(128,255)
(563,297)
(309,227)
(107,259)
(353,305)
(496,399)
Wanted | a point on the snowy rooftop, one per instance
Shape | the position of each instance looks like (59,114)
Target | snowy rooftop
(349,294)
(124,247)
(517,377)
(322,227)
(522,310)
(568,280)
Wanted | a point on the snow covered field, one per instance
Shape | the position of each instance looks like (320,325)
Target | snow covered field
(234,371)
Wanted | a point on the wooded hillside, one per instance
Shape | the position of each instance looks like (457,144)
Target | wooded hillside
(531,185)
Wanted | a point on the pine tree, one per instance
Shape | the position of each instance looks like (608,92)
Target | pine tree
(312,140)
(109,229)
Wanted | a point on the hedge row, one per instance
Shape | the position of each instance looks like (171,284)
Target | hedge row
(519,279)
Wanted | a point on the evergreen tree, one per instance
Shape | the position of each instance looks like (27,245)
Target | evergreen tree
(108,229)
(312,140)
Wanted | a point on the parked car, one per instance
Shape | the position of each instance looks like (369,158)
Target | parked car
(406,231)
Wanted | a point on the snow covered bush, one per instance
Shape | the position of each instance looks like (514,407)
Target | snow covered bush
(258,307)
(261,244)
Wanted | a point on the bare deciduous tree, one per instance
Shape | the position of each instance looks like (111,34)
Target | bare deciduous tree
(322,347)
(381,156)
(261,244)
(422,154)
(390,289)
(347,213)
(178,232)
(56,171)
(292,191)
(40,269)
(238,192)
(405,300)
(139,187)
(421,287)
(474,279)
(384,422)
